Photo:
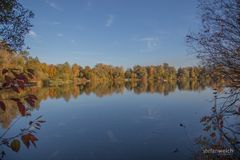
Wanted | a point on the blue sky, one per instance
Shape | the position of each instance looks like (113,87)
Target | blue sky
(117,32)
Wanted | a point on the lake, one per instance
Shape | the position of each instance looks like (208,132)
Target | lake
(112,122)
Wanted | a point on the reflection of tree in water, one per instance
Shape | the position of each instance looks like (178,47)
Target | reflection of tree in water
(16,98)
(11,111)
(72,91)
(222,128)
(152,86)
(99,89)
(103,89)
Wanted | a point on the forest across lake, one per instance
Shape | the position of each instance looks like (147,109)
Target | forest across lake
(54,75)
(87,80)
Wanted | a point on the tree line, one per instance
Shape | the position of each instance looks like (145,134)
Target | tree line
(59,74)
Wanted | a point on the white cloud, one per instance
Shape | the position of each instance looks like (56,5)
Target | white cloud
(60,35)
(110,21)
(53,5)
(151,42)
(32,33)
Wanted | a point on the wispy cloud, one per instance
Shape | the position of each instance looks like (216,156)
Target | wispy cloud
(53,5)
(32,33)
(110,20)
(151,42)
(60,35)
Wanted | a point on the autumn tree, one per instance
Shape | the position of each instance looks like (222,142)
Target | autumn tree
(52,71)
(128,73)
(86,73)
(34,63)
(14,25)
(64,71)
(118,74)
(141,72)
(217,44)
(75,70)
(172,73)
(159,72)
(151,72)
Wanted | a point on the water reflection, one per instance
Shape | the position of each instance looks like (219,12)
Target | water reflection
(104,89)
(221,137)
(148,118)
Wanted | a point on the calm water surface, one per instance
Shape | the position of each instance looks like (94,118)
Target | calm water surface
(122,125)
